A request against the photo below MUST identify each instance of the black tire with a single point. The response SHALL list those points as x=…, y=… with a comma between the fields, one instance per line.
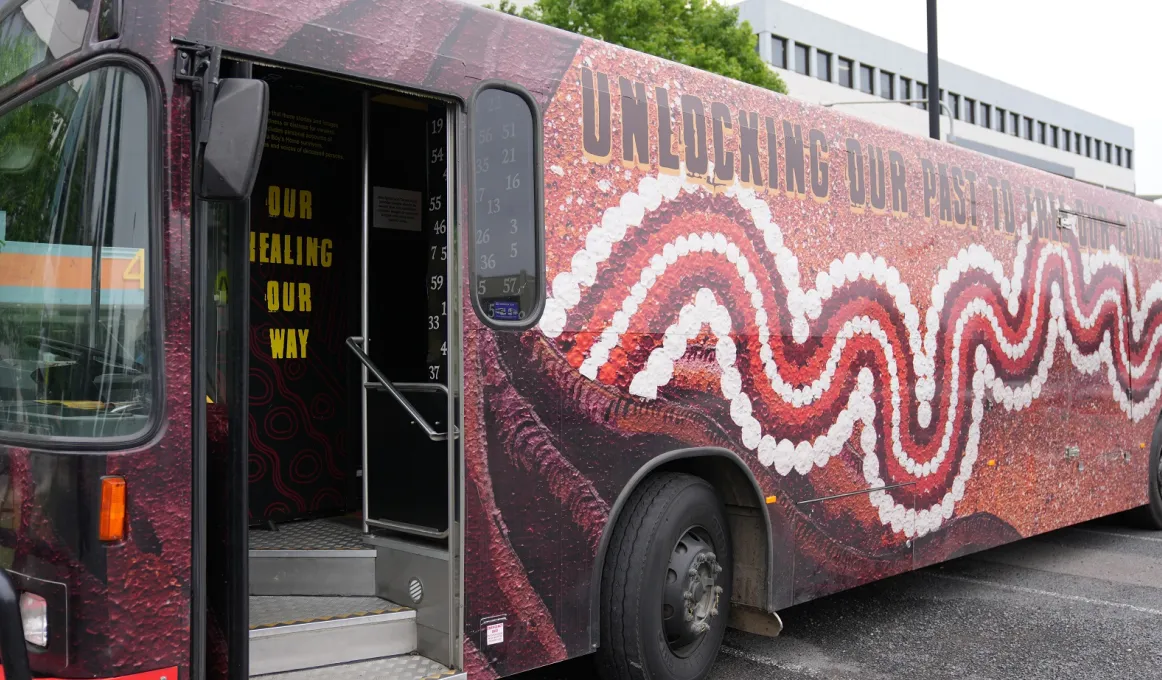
x=669, y=519
x=1150, y=515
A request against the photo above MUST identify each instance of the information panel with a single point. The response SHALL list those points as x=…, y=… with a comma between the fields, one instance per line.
x=505, y=252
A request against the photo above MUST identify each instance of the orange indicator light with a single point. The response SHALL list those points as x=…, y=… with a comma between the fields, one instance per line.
x=112, y=526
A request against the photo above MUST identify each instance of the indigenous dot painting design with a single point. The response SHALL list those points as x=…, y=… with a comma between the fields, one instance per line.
x=1064, y=310
x=904, y=373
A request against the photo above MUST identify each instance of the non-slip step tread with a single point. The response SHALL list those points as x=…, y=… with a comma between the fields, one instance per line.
x=404, y=667
x=332, y=533
x=274, y=611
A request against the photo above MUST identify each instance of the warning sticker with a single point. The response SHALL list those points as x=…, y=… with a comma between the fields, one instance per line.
x=495, y=634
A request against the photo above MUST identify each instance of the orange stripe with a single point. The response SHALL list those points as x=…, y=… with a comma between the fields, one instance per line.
x=60, y=271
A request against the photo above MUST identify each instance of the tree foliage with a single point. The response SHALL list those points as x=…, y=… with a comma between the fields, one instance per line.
x=698, y=33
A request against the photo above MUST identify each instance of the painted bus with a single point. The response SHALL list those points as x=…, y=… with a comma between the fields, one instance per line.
x=414, y=340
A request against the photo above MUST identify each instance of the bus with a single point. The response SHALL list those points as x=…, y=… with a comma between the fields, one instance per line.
x=414, y=340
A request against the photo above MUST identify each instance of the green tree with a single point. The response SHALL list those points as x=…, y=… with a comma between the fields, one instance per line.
x=698, y=33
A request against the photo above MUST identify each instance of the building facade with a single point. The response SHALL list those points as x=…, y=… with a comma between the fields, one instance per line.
x=828, y=62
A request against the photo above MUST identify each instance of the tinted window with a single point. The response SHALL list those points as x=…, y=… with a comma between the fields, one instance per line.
x=887, y=85
x=505, y=216
x=954, y=104
x=905, y=88
x=802, y=61
x=922, y=93
x=986, y=116
x=38, y=32
x=845, y=72
x=865, y=78
x=823, y=65
x=76, y=356
x=779, y=51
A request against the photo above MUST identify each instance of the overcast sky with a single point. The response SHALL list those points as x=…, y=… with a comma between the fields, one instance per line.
x=1104, y=57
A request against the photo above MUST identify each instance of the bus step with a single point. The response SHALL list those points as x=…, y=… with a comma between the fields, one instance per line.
x=405, y=667
x=312, y=557
x=291, y=633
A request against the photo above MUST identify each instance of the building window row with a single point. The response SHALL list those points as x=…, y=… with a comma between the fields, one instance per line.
x=962, y=108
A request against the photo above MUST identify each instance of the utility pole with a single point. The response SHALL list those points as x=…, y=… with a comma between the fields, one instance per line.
x=933, y=75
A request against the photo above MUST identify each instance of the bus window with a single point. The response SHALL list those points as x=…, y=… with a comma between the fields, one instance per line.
x=75, y=348
x=39, y=32
x=507, y=220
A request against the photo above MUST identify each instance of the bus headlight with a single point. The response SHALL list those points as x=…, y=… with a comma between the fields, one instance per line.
x=34, y=613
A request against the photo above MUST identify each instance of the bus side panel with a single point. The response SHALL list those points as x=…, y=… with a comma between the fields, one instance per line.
x=859, y=312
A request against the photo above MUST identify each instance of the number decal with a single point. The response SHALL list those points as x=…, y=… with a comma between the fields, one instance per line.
x=135, y=270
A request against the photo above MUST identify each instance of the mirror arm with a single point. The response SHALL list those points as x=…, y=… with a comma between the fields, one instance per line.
x=199, y=66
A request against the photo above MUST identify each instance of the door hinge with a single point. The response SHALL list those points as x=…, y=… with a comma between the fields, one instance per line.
x=198, y=65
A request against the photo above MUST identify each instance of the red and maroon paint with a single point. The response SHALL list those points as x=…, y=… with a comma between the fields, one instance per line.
x=838, y=341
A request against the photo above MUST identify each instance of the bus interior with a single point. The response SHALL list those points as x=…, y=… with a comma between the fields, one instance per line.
x=337, y=470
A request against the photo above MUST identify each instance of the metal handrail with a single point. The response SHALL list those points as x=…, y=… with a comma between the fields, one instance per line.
x=410, y=387
x=354, y=343
x=406, y=528
x=13, y=653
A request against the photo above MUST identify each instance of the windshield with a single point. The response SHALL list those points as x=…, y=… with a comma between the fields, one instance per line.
x=75, y=354
x=39, y=31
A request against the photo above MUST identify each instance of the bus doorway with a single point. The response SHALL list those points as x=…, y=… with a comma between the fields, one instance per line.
x=350, y=483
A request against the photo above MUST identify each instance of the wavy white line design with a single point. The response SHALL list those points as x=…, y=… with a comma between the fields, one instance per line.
x=805, y=306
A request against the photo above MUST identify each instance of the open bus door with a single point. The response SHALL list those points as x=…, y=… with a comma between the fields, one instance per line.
x=331, y=455
x=226, y=154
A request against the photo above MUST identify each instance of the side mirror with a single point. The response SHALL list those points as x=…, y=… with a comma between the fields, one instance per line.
x=233, y=150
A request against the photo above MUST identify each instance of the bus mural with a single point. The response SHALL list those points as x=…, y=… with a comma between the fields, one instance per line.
x=611, y=352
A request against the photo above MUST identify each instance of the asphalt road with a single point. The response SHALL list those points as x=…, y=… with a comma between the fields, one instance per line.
x=1083, y=602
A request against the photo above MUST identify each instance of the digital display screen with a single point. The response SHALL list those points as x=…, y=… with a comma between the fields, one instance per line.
x=505, y=252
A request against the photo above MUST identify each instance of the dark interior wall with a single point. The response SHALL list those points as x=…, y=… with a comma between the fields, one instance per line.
x=304, y=302
x=397, y=284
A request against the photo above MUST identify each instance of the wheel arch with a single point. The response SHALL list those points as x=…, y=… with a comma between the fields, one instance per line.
x=736, y=484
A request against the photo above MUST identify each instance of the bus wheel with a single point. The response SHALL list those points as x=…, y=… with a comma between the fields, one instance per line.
x=665, y=586
x=1152, y=513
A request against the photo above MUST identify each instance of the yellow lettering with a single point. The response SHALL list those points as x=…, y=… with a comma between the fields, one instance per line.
x=263, y=247
x=304, y=297
x=277, y=342
x=298, y=250
x=286, y=256
x=326, y=252
x=303, y=332
x=252, y=235
x=288, y=204
x=272, y=296
x=288, y=296
x=275, y=248
x=305, y=204
x=272, y=203
x=292, y=345
x=312, y=251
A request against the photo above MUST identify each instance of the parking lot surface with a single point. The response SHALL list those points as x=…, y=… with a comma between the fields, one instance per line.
x=1083, y=602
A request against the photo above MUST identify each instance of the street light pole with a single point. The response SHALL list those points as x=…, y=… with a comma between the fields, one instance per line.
x=933, y=75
